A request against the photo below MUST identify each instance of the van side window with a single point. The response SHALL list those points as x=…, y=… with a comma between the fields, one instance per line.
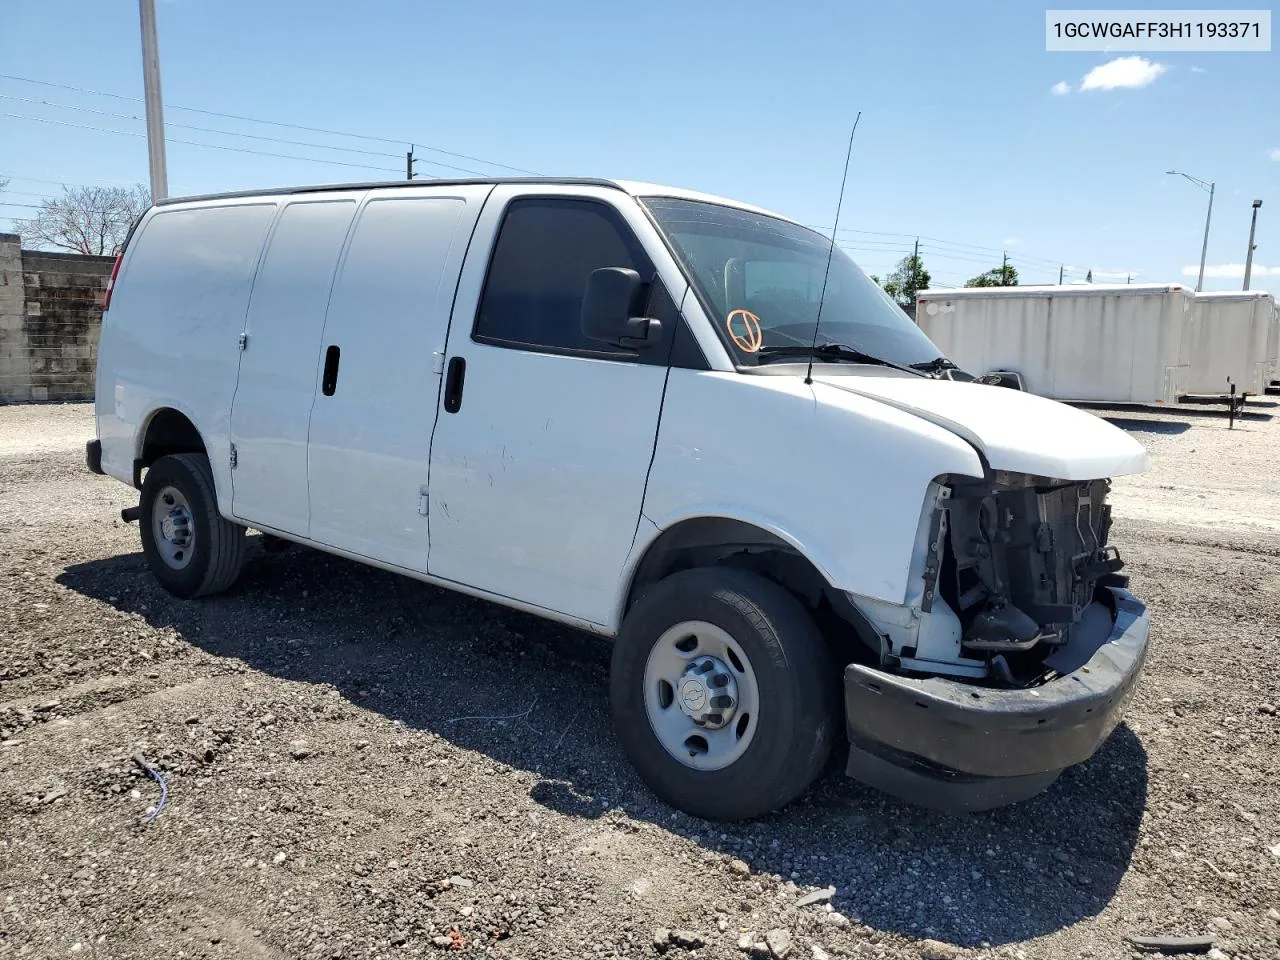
x=546, y=250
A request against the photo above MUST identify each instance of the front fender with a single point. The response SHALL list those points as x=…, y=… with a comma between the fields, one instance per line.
x=842, y=478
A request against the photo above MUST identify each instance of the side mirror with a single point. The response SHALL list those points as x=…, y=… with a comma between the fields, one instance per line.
x=613, y=307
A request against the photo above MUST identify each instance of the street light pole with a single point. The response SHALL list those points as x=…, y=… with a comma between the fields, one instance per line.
x=1204, y=249
x=1248, y=257
x=151, y=91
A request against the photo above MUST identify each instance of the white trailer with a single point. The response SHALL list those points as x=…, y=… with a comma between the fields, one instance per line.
x=1125, y=343
x=1234, y=336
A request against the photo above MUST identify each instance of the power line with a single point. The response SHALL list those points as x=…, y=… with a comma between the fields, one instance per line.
x=194, y=143
x=231, y=133
x=274, y=123
x=959, y=245
x=61, y=183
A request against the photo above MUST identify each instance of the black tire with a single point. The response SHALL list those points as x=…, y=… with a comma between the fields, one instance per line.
x=794, y=671
x=219, y=546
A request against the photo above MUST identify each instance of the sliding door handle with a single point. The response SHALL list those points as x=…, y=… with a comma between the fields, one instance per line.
x=453, y=384
x=329, y=380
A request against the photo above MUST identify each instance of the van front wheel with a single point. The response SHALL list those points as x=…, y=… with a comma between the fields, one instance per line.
x=723, y=693
x=191, y=549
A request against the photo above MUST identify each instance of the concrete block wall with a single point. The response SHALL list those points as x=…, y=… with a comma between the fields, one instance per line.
x=50, y=319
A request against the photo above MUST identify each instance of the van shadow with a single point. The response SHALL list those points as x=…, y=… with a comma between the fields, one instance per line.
x=533, y=695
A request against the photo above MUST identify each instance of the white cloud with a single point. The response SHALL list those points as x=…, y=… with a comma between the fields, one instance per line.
x=1011, y=241
x=1274, y=154
x=1199, y=70
x=1061, y=88
x=1122, y=72
x=1229, y=271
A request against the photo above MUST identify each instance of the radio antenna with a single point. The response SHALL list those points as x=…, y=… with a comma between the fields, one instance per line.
x=813, y=348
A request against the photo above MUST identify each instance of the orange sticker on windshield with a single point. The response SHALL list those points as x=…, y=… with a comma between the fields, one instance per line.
x=750, y=341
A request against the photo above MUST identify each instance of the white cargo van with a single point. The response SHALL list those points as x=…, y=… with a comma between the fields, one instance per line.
x=591, y=400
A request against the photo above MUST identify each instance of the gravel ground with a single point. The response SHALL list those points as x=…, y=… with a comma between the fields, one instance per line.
x=359, y=765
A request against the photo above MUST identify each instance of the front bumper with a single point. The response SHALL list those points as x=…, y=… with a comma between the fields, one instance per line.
x=956, y=746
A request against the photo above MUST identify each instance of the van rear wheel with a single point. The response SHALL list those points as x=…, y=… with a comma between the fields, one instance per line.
x=723, y=693
x=191, y=549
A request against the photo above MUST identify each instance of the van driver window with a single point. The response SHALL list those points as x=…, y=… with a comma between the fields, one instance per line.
x=545, y=252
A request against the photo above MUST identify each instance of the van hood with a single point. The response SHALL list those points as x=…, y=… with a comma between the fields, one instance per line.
x=1016, y=431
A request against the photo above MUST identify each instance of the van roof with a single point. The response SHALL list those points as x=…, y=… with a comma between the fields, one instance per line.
x=635, y=188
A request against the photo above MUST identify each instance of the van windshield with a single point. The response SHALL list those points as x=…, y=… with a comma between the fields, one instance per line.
x=761, y=278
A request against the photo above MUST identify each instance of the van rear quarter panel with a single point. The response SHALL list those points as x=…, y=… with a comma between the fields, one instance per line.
x=171, y=337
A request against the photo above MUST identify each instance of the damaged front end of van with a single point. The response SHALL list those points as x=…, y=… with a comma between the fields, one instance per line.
x=1015, y=655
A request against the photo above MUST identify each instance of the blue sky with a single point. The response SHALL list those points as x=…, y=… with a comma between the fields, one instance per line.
x=963, y=138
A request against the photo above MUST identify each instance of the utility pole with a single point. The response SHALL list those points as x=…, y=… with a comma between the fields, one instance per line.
x=1204, y=249
x=1061, y=267
x=408, y=163
x=155, y=108
x=1248, y=257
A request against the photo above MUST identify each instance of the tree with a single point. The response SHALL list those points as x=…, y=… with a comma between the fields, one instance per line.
x=1005, y=275
x=908, y=278
x=92, y=220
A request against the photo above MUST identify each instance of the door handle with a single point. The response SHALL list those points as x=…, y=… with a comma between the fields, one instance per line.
x=329, y=380
x=453, y=384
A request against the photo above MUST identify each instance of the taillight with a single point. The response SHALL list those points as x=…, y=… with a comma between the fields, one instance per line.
x=111, y=284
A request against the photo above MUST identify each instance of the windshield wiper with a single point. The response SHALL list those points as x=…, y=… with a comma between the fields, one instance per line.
x=832, y=352
x=936, y=365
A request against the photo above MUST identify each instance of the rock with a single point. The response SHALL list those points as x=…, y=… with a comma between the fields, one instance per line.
x=467, y=911
x=819, y=953
x=661, y=939
x=1221, y=923
x=937, y=950
x=1273, y=914
x=299, y=750
x=191, y=720
x=361, y=744
x=1268, y=708
x=818, y=896
x=456, y=881
x=57, y=793
x=686, y=939
x=1216, y=954
x=840, y=920
x=444, y=943
x=779, y=943
x=740, y=868
x=49, y=705
x=722, y=924
x=279, y=858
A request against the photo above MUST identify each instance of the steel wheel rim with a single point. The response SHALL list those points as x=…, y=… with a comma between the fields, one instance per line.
x=676, y=672
x=173, y=528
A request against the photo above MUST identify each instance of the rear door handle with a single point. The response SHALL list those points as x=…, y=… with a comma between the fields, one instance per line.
x=453, y=384
x=329, y=381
